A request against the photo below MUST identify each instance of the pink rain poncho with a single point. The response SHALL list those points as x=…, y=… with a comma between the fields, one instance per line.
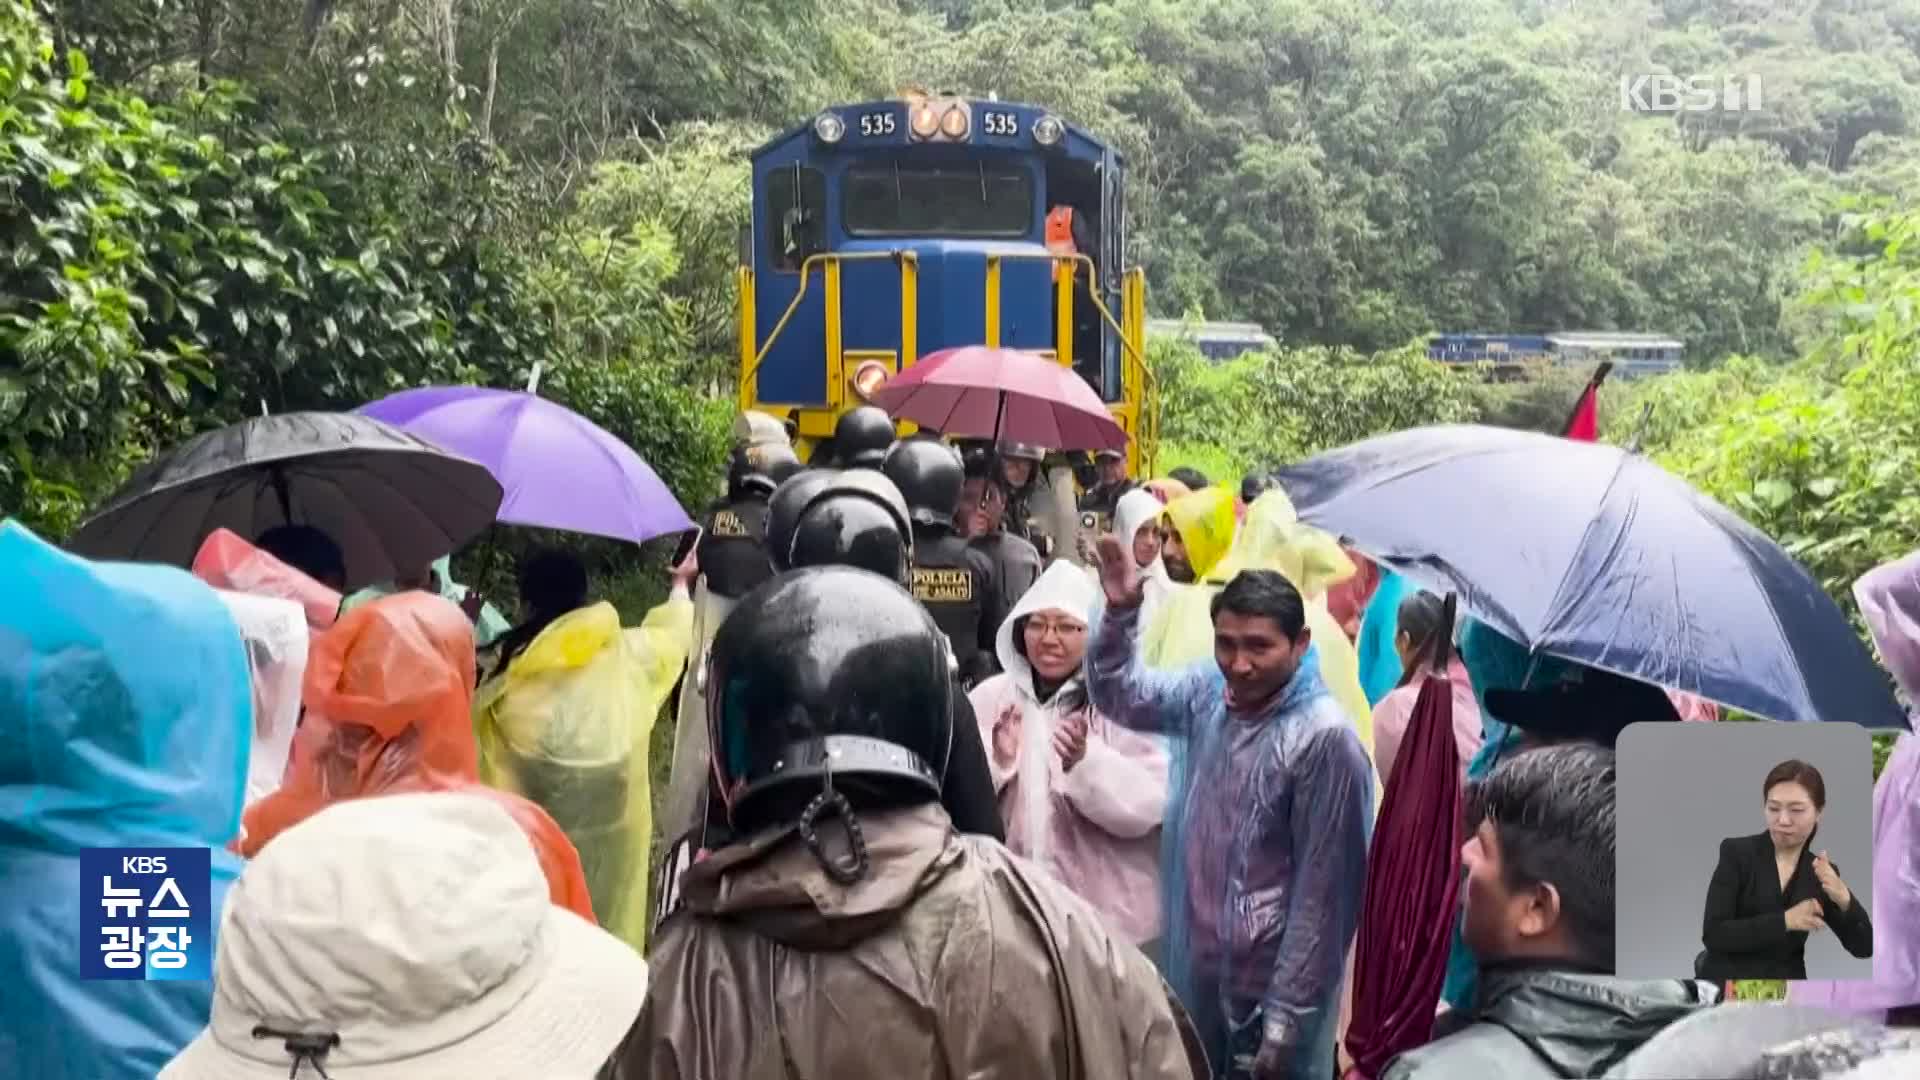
x=1265, y=851
x=1096, y=827
x=1889, y=598
x=1391, y=716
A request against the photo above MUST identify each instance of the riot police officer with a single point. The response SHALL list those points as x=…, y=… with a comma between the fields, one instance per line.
x=830, y=711
x=1021, y=468
x=733, y=560
x=858, y=518
x=1110, y=482
x=733, y=542
x=862, y=437
x=954, y=579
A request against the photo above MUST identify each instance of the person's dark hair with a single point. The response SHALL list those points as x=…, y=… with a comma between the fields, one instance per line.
x=552, y=583
x=306, y=549
x=1263, y=593
x=1428, y=623
x=1795, y=771
x=1190, y=476
x=1553, y=812
x=979, y=466
x=1257, y=483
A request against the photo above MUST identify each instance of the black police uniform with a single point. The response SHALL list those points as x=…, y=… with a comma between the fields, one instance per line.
x=955, y=581
x=733, y=546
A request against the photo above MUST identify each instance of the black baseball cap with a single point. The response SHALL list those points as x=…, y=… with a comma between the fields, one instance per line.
x=1586, y=703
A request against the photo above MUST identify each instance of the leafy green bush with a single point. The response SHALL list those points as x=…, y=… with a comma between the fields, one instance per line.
x=172, y=268
x=1269, y=408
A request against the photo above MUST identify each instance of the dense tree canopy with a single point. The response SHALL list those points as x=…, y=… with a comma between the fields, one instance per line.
x=214, y=206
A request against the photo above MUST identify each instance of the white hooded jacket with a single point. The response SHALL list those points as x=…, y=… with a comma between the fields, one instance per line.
x=1096, y=827
x=1134, y=511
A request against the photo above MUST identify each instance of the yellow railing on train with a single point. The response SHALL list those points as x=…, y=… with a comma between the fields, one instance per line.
x=1140, y=390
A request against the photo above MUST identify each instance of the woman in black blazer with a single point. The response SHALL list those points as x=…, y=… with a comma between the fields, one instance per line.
x=1773, y=889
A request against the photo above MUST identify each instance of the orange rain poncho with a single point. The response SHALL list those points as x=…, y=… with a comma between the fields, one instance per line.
x=389, y=693
x=225, y=561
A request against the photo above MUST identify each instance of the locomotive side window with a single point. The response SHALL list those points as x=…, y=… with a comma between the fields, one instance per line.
x=796, y=216
x=978, y=201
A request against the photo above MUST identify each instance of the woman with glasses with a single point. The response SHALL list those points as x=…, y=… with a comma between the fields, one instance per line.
x=1081, y=797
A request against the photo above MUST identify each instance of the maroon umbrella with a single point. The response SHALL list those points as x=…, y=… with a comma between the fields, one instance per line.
x=1413, y=890
x=977, y=392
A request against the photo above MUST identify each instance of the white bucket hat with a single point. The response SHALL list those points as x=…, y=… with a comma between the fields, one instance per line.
x=415, y=930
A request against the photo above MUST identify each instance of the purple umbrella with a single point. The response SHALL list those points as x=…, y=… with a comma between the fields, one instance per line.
x=560, y=470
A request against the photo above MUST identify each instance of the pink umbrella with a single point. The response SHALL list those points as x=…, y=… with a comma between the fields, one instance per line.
x=977, y=392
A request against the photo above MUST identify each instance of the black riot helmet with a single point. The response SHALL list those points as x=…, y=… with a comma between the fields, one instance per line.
x=929, y=475
x=828, y=692
x=850, y=517
x=759, y=469
x=862, y=437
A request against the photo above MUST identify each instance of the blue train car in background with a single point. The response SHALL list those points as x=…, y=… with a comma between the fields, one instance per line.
x=1512, y=355
x=887, y=230
x=1215, y=340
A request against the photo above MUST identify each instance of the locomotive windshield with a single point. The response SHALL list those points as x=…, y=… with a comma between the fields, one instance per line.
x=964, y=201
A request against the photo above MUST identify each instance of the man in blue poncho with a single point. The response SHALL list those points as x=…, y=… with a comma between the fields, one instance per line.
x=125, y=721
x=1267, y=825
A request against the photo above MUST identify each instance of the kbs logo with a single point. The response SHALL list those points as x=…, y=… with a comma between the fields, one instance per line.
x=1693, y=93
x=144, y=913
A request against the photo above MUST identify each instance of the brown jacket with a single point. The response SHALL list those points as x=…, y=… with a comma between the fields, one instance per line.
x=949, y=959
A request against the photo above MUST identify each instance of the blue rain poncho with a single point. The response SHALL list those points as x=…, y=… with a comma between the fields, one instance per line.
x=124, y=721
x=1265, y=846
x=1380, y=667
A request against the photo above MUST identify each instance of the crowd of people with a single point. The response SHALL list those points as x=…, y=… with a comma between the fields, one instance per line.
x=971, y=776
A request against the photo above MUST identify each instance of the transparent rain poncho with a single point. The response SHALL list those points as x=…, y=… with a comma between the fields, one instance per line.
x=388, y=695
x=683, y=807
x=225, y=561
x=1889, y=598
x=567, y=726
x=275, y=634
x=1271, y=538
x=1265, y=845
x=124, y=721
x=1096, y=826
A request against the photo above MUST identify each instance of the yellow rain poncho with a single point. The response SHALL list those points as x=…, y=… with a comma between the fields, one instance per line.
x=567, y=724
x=1271, y=538
x=1206, y=521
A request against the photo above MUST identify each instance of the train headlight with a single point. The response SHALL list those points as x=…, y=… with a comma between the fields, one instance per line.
x=868, y=377
x=1048, y=130
x=954, y=124
x=829, y=127
x=925, y=121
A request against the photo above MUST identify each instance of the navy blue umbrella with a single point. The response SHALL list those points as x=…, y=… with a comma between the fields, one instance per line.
x=1594, y=554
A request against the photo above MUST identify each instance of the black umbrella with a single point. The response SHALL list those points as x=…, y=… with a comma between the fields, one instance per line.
x=1594, y=554
x=392, y=501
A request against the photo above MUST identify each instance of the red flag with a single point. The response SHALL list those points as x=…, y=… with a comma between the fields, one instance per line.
x=1584, y=424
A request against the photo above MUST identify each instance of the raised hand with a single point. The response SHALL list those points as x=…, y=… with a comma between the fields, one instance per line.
x=1006, y=737
x=1070, y=740
x=1806, y=916
x=1119, y=574
x=1830, y=881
